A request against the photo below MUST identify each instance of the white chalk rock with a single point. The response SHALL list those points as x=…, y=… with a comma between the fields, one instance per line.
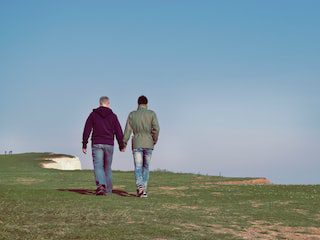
x=63, y=163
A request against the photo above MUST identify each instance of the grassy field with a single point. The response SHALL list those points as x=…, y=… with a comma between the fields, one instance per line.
x=37, y=203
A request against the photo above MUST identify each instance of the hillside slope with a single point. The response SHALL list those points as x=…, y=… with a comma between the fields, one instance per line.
x=38, y=203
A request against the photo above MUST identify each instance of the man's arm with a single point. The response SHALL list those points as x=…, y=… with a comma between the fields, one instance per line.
x=118, y=132
x=155, y=128
x=127, y=131
x=86, y=132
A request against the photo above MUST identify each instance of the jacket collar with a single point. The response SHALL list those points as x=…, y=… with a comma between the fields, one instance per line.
x=142, y=106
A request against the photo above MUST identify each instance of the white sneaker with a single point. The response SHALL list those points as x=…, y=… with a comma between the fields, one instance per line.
x=144, y=194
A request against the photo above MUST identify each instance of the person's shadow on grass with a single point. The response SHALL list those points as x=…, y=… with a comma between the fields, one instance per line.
x=82, y=191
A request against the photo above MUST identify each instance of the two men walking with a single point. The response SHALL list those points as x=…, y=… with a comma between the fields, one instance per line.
x=104, y=125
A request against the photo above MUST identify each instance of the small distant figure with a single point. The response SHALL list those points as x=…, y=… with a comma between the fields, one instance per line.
x=10, y=152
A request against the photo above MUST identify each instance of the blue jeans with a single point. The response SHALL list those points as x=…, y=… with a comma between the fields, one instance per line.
x=102, y=159
x=142, y=158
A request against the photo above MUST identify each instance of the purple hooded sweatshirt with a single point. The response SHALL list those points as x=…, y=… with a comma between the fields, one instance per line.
x=105, y=125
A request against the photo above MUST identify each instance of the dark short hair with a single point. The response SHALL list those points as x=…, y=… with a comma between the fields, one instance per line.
x=142, y=100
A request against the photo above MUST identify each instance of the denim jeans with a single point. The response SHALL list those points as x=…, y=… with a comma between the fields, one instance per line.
x=102, y=159
x=142, y=158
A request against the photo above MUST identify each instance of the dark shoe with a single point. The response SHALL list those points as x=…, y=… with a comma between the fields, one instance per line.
x=101, y=190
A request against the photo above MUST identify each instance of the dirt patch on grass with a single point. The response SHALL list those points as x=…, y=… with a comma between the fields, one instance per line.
x=28, y=181
x=207, y=185
x=216, y=193
x=258, y=181
x=301, y=211
x=210, y=213
x=263, y=230
x=204, y=185
x=218, y=229
x=173, y=191
x=173, y=188
x=213, y=228
x=179, y=206
x=282, y=203
x=175, y=194
x=259, y=230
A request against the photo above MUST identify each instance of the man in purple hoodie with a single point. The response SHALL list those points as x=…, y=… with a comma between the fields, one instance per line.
x=104, y=125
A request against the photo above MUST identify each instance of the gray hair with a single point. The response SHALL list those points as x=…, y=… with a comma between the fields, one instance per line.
x=104, y=100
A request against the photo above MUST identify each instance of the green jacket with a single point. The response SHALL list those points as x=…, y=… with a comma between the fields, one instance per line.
x=144, y=125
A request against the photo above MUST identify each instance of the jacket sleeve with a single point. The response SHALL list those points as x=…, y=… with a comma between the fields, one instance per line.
x=118, y=132
x=127, y=131
x=87, y=131
x=155, y=128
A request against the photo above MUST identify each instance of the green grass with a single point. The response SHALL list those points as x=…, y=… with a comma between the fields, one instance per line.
x=37, y=203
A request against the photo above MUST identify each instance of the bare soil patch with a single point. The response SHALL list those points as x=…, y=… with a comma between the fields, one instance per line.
x=260, y=230
x=174, y=191
x=179, y=206
x=28, y=181
x=173, y=188
x=263, y=230
x=258, y=181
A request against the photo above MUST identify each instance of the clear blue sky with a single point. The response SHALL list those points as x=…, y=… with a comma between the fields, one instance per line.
x=235, y=84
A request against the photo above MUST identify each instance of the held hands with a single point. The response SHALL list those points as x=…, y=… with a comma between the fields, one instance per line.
x=84, y=150
x=124, y=145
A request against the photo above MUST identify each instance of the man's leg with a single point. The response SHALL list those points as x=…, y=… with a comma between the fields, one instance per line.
x=138, y=162
x=108, y=155
x=97, y=155
x=147, y=154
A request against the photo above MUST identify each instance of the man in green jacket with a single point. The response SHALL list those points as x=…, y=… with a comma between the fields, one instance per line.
x=144, y=125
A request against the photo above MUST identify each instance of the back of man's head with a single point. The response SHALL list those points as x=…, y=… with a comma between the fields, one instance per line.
x=142, y=100
x=104, y=101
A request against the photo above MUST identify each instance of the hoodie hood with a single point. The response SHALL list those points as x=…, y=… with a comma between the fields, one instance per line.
x=103, y=111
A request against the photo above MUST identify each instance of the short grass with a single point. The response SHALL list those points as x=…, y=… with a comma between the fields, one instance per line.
x=37, y=203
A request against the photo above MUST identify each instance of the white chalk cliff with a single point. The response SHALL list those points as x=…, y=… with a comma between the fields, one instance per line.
x=63, y=163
